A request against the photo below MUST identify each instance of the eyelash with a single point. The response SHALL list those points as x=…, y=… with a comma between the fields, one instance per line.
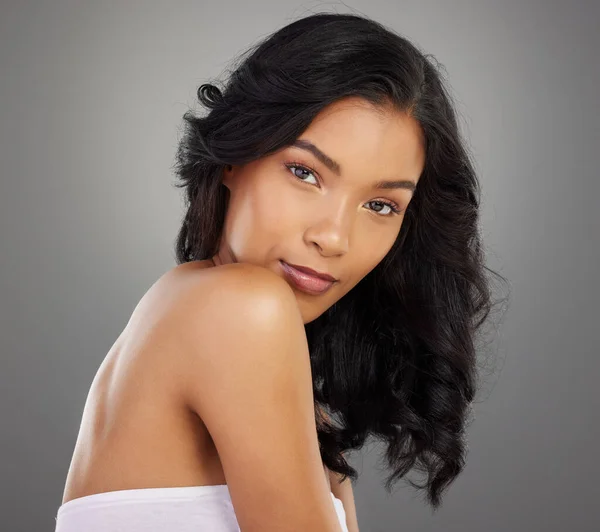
x=393, y=206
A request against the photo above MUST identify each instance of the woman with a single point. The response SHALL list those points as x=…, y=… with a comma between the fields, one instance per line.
x=329, y=285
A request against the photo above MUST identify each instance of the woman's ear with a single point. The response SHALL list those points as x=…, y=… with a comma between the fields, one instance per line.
x=227, y=174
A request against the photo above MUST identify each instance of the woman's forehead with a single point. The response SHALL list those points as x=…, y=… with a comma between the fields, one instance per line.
x=355, y=135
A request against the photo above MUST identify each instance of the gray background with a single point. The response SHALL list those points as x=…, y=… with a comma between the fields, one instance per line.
x=91, y=98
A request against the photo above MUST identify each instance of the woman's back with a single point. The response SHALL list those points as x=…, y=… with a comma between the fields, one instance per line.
x=138, y=430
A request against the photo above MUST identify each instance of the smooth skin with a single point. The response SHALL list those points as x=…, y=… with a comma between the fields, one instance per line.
x=328, y=222
x=209, y=383
x=261, y=416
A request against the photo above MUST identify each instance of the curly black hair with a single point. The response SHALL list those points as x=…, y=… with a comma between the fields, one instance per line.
x=395, y=358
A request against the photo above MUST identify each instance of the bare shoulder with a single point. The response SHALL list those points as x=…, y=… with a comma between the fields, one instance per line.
x=238, y=315
x=240, y=337
x=192, y=291
x=192, y=304
x=242, y=280
x=232, y=309
x=213, y=300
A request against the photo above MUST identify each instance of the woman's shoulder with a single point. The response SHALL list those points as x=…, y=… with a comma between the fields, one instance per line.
x=204, y=276
x=227, y=323
x=207, y=288
x=196, y=317
x=245, y=372
x=198, y=287
x=230, y=293
x=192, y=302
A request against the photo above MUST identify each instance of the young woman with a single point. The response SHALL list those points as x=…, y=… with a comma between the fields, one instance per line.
x=329, y=285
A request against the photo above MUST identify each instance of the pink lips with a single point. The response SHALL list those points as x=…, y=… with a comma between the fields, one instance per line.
x=305, y=282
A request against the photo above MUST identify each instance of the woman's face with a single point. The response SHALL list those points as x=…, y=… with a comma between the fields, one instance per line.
x=325, y=213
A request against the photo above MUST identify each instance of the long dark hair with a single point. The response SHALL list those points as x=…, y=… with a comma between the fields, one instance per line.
x=394, y=358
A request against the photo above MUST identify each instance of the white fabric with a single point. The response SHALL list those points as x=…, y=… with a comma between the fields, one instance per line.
x=178, y=509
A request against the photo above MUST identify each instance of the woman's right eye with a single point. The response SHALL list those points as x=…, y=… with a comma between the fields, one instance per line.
x=294, y=167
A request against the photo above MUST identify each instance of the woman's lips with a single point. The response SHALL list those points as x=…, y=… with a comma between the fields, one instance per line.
x=305, y=282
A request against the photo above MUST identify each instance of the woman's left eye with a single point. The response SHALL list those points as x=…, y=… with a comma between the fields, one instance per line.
x=393, y=208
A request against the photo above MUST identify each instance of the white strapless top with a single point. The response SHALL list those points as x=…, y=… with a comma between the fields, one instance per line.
x=181, y=509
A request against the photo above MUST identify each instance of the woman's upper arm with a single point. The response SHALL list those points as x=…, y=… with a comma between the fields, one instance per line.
x=342, y=490
x=248, y=377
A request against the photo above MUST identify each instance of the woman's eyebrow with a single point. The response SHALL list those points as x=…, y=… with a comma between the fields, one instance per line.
x=336, y=168
x=403, y=183
x=325, y=159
